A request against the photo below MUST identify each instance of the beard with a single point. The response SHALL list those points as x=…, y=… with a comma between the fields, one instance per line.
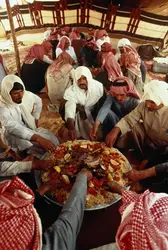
x=83, y=86
x=19, y=101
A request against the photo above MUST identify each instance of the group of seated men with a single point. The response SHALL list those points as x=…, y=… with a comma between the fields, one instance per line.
x=129, y=118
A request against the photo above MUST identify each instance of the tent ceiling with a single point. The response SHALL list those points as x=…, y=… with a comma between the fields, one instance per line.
x=159, y=7
x=148, y=23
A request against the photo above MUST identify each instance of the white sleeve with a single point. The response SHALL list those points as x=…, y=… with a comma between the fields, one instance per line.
x=37, y=107
x=13, y=126
x=13, y=168
x=4, y=64
x=58, y=52
x=73, y=54
x=46, y=35
x=70, y=110
x=117, y=56
x=47, y=59
x=99, y=43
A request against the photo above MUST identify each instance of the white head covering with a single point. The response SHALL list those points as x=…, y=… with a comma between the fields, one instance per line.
x=6, y=87
x=62, y=38
x=156, y=91
x=122, y=42
x=78, y=95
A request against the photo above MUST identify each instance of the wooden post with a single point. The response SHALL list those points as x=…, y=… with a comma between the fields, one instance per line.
x=17, y=57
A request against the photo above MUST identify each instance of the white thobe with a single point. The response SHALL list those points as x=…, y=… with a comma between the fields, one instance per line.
x=99, y=42
x=2, y=73
x=8, y=168
x=15, y=132
x=70, y=51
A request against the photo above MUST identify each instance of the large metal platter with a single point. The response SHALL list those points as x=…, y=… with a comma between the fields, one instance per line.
x=52, y=201
x=100, y=206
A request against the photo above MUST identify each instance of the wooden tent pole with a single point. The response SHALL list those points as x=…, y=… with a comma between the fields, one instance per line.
x=17, y=57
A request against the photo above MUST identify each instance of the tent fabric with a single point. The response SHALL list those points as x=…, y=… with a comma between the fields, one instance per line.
x=95, y=13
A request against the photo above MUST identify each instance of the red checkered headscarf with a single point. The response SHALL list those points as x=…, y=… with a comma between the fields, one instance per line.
x=47, y=48
x=37, y=51
x=144, y=221
x=20, y=226
x=62, y=42
x=75, y=34
x=110, y=64
x=131, y=60
x=124, y=85
x=99, y=34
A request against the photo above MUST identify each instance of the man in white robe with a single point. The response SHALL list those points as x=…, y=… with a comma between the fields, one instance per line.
x=81, y=99
x=19, y=121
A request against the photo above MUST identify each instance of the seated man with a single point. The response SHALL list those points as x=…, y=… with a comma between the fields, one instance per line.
x=20, y=225
x=19, y=123
x=89, y=52
x=147, y=124
x=101, y=37
x=81, y=99
x=120, y=50
x=35, y=65
x=123, y=98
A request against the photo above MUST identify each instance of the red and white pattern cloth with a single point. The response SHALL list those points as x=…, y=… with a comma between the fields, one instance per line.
x=110, y=64
x=129, y=90
x=131, y=60
x=20, y=226
x=144, y=221
x=75, y=34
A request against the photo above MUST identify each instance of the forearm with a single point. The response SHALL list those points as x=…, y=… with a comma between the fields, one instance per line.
x=158, y=170
x=70, y=124
x=14, y=168
x=150, y=172
x=96, y=125
x=116, y=131
x=103, y=112
x=36, y=138
x=47, y=59
x=62, y=234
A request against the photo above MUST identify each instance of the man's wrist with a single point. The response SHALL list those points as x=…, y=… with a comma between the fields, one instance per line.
x=116, y=130
x=148, y=172
x=96, y=125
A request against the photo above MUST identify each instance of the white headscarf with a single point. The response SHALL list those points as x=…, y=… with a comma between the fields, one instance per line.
x=61, y=40
x=156, y=91
x=6, y=87
x=121, y=43
x=78, y=95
